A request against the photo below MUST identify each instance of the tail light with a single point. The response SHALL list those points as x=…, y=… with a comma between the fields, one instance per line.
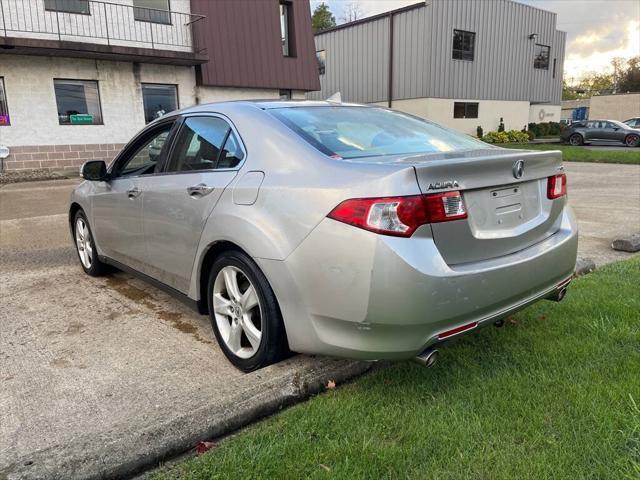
x=400, y=216
x=557, y=186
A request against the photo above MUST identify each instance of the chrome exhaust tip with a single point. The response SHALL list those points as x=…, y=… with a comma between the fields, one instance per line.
x=428, y=358
x=558, y=295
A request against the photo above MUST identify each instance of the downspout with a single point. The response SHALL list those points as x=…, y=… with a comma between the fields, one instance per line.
x=390, y=69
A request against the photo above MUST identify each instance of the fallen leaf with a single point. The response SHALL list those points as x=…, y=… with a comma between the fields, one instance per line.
x=202, y=447
x=325, y=467
x=331, y=385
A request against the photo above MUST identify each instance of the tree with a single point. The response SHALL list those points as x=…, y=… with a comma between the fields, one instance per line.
x=630, y=78
x=569, y=93
x=322, y=18
x=352, y=12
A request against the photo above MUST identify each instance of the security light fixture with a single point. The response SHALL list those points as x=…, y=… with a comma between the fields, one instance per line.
x=533, y=36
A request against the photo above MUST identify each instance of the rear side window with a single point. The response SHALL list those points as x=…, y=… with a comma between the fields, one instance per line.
x=205, y=143
x=352, y=132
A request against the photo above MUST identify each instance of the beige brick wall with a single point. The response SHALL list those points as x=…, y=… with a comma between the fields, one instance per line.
x=59, y=157
x=615, y=107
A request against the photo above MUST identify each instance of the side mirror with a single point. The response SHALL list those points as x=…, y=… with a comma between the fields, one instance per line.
x=94, y=171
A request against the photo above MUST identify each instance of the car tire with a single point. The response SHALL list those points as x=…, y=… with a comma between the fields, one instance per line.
x=86, y=247
x=632, y=140
x=576, y=139
x=247, y=324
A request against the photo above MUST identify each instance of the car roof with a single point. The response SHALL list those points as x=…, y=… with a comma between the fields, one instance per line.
x=267, y=104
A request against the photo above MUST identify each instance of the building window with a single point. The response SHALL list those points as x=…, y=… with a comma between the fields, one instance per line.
x=465, y=110
x=554, y=67
x=4, y=109
x=463, y=45
x=321, y=56
x=68, y=6
x=154, y=11
x=286, y=29
x=541, y=59
x=285, y=94
x=158, y=100
x=78, y=102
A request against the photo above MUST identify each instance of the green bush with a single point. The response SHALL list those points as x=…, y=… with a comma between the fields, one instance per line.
x=479, y=131
x=545, y=128
x=512, y=136
x=531, y=135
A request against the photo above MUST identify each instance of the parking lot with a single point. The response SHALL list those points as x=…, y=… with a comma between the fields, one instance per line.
x=102, y=377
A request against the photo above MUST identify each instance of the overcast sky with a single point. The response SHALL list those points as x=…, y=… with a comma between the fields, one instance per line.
x=597, y=30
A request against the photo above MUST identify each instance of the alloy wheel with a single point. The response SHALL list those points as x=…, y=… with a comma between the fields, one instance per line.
x=632, y=140
x=83, y=243
x=575, y=139
x=237, y=312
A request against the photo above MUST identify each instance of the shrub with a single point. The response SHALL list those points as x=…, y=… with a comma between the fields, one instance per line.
x=479, y=132
x=531, y=135
x=512, y=136
x=554, y=128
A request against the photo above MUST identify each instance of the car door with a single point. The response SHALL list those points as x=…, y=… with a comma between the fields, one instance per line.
x=117, y=203
x=613, y=132
x=205, y=157
x=593, y=131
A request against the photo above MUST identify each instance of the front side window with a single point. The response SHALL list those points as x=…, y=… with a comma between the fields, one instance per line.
x=68, y=6
x=78, y=102
x=154, y=11
x=541, y=59
x=4, y=108
x=146, y=158
x=463, y=45
x=158, y=100
x=465, y=110
x=321, y=57
x=285, y=94
x=205, y=143
x=285, y=28
x=352, y=132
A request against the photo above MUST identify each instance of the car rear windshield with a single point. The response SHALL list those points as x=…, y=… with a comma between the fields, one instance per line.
x=352, y=132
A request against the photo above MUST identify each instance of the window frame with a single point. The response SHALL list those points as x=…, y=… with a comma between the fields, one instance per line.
x=97, y=82
x=288, y=47
x=6, y=102
x=466, y=104
x=322, y=67
x=473, y=46
x=548, y=47
x=179, y=126
x=138, y=141
x=177, y=87
x=67, y=11
x=169, y=22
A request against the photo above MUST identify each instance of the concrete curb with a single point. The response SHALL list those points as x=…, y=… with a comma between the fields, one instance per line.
x=584, y=266
x=125, y=452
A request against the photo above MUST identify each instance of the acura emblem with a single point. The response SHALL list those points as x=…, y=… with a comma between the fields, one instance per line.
x=518, y=169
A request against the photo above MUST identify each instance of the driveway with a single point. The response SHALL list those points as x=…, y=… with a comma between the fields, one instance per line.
x=103, y=377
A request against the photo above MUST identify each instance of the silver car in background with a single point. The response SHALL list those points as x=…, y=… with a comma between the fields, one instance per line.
x=323, y=228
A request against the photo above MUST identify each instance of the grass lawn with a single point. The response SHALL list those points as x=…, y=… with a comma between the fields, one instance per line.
x=585, y=154
x=554, y=394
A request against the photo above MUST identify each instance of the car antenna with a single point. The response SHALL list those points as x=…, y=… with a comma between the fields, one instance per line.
x=335, y=98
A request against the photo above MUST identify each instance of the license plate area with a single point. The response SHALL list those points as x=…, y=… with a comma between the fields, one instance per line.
x=504, y=211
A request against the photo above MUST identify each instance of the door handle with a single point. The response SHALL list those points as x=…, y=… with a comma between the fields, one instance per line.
x=134, y=193
x=199, y=190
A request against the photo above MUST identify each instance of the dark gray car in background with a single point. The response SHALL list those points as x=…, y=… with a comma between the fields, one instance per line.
x=601, y=131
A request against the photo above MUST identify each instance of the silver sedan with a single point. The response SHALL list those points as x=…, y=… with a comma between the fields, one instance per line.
x=325, y=228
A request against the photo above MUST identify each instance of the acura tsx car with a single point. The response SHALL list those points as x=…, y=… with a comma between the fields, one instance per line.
x=328, y=228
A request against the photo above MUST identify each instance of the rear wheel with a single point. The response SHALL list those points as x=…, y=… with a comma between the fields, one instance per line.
x=86, y=248
x=576, y=139
x=244, y=313
x=632, y=140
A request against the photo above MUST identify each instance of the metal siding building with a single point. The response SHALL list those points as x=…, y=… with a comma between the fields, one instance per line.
x=423, y=70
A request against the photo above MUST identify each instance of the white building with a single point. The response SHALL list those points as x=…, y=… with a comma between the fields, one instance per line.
x=78, y=78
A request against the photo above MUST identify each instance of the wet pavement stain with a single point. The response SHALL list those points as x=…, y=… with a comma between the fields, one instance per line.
x=140, y=296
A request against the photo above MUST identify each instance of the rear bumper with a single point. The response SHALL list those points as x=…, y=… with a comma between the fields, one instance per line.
x=348, y=292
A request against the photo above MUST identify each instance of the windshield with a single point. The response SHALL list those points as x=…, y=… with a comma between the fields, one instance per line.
x=351, y=132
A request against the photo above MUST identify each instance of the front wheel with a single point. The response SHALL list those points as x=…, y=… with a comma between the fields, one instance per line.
x=576, y=139
x=244, y=313
x=632, y=140
x=86, y=247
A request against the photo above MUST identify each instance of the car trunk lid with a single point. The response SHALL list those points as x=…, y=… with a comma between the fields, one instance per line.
x=505, y=194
